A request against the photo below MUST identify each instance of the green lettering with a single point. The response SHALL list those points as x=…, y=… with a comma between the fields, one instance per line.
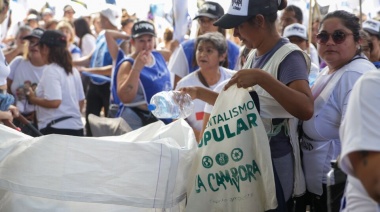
x=252, y=118
x=225, y=117
x=241, y=126
x=220, y=118
x=199, y=184
x=206, y=138
x=209, y=182
x=243, y=173
x=255, y=167
x=250, y=172
x=236, y=112
x=235, y=178
x=250, y=105
x=213, y=118
x=221, y=134
x=223, y=177
x=228, y=132
x=242, y=108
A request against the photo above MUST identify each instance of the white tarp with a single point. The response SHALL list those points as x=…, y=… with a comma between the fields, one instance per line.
x=143, y=170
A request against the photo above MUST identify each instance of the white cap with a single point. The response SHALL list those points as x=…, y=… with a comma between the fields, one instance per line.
x=32, y=17
x=47, y=11
x=113, y=14
x=372, y=26
x=297, y=30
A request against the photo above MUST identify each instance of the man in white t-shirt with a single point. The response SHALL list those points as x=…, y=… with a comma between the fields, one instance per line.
x=360, y=157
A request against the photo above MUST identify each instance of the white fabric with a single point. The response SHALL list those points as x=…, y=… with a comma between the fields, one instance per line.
x=208, y=108
x=55, y=84
x=4, y=69
x=88, y=44
x=357, y=199
x=22, y=71
x=232, y=170
x=144, y=170
x=75, y=55
x=178, y=63
x=314, y=54
x=360, y=131
x=196, y=118
x=321, y=143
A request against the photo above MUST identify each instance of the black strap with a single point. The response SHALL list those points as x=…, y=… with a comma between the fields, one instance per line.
x=58, y=120
x=202, y=79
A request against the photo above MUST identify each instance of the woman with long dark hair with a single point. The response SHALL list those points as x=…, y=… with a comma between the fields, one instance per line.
x=87, y=40
x=59, y=95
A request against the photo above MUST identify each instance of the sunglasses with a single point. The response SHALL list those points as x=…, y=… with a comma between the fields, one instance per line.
x=338, y=37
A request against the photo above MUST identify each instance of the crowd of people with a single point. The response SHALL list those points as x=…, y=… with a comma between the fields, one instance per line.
x=313, y=99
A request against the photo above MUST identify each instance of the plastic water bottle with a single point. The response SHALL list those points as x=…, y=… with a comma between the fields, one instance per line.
x=171, y=105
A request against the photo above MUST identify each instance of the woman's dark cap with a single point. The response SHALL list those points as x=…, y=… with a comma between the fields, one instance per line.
x=53, y=38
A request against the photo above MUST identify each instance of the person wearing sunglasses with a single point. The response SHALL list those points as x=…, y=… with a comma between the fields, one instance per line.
x=339, y=46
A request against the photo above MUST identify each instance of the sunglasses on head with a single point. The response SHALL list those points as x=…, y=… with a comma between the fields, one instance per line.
x=337, y=36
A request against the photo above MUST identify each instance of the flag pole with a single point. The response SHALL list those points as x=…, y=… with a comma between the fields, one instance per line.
x=310, y=24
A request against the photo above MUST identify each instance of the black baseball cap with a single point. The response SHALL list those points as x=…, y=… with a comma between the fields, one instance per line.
x=211, y=10
x=143, y=28
x=241, y=10
x=36, y=33
x=53, y=38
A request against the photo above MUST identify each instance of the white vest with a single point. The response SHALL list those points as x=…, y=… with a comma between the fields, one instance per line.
x=270, y=108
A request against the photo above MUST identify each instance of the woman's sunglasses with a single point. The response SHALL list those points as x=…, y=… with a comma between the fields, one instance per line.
x=338, y=37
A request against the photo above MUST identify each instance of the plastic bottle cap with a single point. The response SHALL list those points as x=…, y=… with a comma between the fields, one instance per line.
x=151, y=107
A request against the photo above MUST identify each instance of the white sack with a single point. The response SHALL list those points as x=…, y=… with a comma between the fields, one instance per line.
x=143, y=170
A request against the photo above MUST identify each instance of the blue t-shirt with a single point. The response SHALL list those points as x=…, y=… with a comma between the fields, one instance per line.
x=101, y=57
x=292, y=68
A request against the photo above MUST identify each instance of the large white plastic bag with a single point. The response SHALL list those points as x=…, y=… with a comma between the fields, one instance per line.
x=143, y=170
x=233, y=172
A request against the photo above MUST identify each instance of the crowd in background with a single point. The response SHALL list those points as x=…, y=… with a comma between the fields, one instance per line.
x=111, y=63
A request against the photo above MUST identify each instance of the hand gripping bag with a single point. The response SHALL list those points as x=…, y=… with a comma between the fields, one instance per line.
x=232, y=170
x=144, y=170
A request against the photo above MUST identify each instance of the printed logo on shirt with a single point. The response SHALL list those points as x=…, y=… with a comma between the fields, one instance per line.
x=199, y=115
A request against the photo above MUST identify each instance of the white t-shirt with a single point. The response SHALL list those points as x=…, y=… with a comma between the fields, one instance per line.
x=4, y=69
x=75, y=51
x=88, y=44
x=23, y=73
x=55, y=84
x=314, y=54
x=360, y=131
x=178, y=64
x=327, y=123
x=208, y=108
x=195, y=120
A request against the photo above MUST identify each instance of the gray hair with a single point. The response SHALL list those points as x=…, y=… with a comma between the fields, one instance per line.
x=216, y=38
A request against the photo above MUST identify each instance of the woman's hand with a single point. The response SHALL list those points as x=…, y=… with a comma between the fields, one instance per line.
x=14, y=110
x=192, y=91
x=246, y=78
x=141, y=60
x=6, y=115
